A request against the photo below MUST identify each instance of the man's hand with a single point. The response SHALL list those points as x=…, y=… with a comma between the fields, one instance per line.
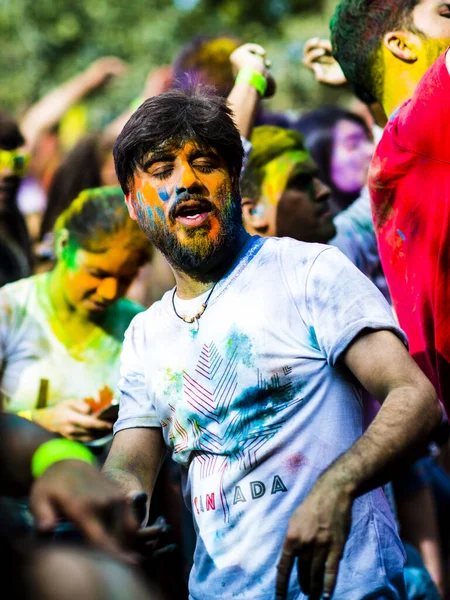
x=72, y=419
x=316, y=536
x=253, y=56
x=104, y=69
x=78, y=492
x=318, y=58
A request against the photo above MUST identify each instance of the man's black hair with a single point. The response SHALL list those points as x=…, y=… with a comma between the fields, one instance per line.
x=10, y=135
x=357, y=31
x=269, y=142
x=176, y=117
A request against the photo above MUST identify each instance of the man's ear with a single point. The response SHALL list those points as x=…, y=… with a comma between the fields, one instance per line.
x=61, y=242
x=254, y=215
x=129, y=203
x=403, y=45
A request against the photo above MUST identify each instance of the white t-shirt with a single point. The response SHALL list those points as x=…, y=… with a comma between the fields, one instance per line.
x=30, y=351
x=253, y=404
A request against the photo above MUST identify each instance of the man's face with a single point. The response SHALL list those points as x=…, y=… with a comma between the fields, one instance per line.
x=432, y=17
x=293, y=201
x=351, y=156
x=92, y=281
x=183, y=200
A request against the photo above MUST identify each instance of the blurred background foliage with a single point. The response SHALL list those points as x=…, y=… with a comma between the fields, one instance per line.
x=45, y=42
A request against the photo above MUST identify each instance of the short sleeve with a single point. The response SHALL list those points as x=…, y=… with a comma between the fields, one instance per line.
x=422, y=125
x=136, y=408
x=341, y=302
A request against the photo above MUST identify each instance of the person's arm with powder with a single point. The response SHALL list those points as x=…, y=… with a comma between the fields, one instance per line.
x=244, y=99
x=49, y=110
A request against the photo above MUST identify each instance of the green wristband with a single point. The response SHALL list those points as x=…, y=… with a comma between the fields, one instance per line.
x=253, y=78
x=56, y=450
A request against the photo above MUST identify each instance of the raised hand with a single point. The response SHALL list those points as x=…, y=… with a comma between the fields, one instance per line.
x=254, y=56
x=104, y=69
x=318, y=58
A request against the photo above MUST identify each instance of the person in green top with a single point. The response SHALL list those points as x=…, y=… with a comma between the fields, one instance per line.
x=61, y=332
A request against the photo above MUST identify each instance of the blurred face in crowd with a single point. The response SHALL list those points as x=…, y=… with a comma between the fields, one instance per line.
x=92, y=281
x=184, y=201
x=350, y=158
x=293, y=202
x=13, y=166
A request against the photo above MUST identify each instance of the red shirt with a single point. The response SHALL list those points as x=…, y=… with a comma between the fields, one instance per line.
x=410, y=189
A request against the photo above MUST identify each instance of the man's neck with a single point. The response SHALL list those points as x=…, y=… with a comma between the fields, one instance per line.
x=193, y=285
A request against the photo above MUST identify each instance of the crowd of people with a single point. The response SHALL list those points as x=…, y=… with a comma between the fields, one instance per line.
x=225, y=367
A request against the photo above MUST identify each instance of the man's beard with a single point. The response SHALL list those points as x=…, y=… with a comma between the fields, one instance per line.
x=434, y=49
x=199, y=253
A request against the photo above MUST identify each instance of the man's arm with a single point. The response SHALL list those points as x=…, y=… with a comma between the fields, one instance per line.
x=134, y=460
x=19, y=440
x=68, y=488
x=48, y=111
x=319, y=528
x=244, y=99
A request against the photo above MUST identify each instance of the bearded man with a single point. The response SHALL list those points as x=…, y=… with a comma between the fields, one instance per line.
x=250, y=372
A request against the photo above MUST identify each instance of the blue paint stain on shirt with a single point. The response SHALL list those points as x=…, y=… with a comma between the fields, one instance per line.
x=401, y=234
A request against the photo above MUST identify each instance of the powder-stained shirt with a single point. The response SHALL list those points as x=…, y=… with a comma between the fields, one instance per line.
x=30, y=352
x=410, y=190
x=254, y=405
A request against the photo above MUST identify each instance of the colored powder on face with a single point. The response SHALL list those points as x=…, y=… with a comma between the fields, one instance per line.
x=70, y=256
x=163, y=194
x=278, y=171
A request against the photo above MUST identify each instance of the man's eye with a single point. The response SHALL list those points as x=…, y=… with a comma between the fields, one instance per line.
x=299, y=182
x=205, y=168
x=163, y=174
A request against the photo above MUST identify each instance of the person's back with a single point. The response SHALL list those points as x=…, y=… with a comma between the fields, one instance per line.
x=385, y=50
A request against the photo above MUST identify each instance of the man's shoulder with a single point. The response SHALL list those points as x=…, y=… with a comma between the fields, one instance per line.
x=18, y=292
x=290, y=251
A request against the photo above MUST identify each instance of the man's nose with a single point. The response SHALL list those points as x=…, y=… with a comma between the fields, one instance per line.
x=108, y=289
x=189, y=182
x=321, y=190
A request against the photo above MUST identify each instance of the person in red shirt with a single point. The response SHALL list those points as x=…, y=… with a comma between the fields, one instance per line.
x=394, y=53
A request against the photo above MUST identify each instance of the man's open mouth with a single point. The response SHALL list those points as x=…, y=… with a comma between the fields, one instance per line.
x=193, y=212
